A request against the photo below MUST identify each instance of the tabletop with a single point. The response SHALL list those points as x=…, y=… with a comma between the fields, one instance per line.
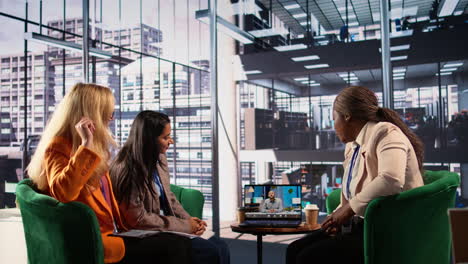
x=301, y=229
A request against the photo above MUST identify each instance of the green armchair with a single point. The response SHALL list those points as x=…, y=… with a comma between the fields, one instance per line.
x=59, y=233
x=410, y=227
x=192, y=200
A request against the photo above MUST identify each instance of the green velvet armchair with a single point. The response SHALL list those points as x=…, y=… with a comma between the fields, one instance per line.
x=411, y=227
x=67, y=233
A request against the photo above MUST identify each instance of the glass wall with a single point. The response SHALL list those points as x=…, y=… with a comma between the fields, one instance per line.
x=154, y=55
x=296, y=73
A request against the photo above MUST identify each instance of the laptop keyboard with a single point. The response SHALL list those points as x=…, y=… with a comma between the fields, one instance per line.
x=271, y=223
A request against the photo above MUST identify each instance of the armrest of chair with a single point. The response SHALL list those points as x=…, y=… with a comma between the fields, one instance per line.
x=412, y=225
x=192, y=200
x=58, y=232
x=333, y=200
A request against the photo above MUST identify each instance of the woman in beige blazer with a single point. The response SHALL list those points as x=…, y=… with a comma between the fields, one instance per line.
x=382, y=157
x=140, y=178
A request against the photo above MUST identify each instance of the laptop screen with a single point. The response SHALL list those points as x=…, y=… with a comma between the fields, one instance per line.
x=273, y=199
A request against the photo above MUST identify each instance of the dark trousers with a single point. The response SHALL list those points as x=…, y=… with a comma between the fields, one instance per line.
x=210, y=251
x=161, y=248
x=170, y=248
x=319, y=248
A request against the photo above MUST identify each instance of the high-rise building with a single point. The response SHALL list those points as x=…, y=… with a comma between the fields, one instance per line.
x=40, y=95
x=106, y=69
x=131, y=38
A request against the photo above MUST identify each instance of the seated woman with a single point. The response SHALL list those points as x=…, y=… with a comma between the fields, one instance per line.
x=140, y=177
x=382, y=157
x=71, y=164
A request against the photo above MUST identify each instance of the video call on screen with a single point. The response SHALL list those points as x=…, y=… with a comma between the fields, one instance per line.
x=272, y=198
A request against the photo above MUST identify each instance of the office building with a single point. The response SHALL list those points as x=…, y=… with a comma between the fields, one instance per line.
x=40, y=96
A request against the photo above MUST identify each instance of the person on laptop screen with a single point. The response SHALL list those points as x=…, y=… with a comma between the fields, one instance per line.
x=272, y=204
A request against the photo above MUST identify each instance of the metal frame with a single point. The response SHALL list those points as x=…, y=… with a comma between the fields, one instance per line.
x=387, y=82
x=214, y=113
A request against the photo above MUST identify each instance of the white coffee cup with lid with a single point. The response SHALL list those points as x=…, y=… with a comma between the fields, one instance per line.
x=311, y=213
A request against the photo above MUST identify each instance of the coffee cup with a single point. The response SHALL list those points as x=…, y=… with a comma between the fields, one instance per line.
x=240, y=215
x=311, y=214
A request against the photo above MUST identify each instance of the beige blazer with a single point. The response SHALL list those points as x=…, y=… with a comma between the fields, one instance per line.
x=387, y=165
x=143, y=210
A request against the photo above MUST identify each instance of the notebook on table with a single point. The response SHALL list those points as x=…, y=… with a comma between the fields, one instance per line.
x=272, y=206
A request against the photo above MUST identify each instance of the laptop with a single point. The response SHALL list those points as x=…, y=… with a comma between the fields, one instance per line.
x=459, y=229
x=272, y=205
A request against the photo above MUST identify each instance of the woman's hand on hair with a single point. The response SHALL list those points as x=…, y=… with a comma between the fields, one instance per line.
x=85, y=128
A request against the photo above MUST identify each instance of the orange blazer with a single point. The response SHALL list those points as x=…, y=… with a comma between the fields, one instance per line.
x=67, y=174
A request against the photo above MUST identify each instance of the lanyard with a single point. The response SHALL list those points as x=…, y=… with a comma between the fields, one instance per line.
x=350, y=172
x=162, y=196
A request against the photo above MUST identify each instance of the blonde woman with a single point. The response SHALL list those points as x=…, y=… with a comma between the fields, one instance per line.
x=71, y=164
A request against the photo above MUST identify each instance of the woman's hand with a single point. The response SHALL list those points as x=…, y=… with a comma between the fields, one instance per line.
x=85, y=129
x=193, y=225
x=333, y=222
x=201, y=226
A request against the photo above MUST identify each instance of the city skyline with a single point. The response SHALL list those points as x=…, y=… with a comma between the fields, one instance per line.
x=180, y=31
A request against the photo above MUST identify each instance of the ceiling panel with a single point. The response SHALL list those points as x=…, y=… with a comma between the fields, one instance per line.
x=326, y=11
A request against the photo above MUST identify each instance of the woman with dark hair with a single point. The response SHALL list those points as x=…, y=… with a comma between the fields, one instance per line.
x=140, y=179
x=382, y=157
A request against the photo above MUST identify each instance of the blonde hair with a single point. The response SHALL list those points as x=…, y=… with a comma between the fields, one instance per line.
x=83, y=100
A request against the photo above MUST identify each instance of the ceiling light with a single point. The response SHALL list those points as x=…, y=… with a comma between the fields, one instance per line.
x=457, y=13
x=292, y=6
x=226, y=27
x=290, y=47
x=403, y=33
x=352, y=24
x=448, y=6
x=399, y=78
x=346, y=75
x=299, y=15
x=316, y=66
x=253, y=72
x=397, y=58
x=301, y=79
x=352, y=78
x=399, y=74
x=448, y=69
x=306, y=58
x=444, y=73
x=311, y=84
x=303, y=23
x=399, y=70
x=307, y=82
x=400, y=47
x=453, y=64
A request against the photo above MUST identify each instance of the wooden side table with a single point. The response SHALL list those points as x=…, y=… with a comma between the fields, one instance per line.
x=262, y=231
